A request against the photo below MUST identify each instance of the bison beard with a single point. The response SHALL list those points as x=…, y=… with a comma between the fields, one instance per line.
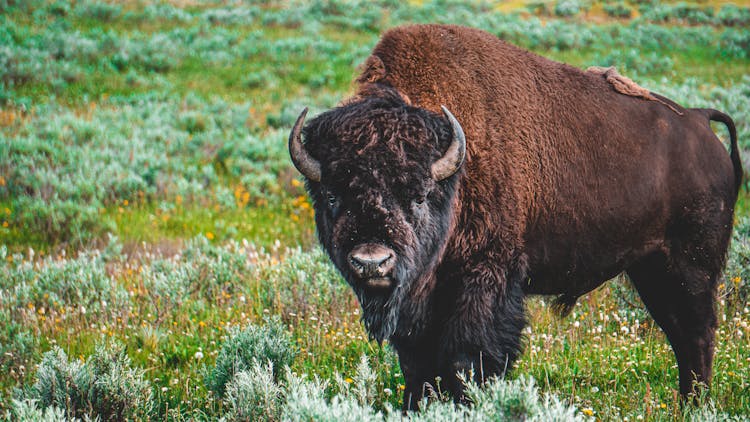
x=380, y=310
x=548, y=180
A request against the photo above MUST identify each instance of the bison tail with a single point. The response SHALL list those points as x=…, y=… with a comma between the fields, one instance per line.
x=734, y=152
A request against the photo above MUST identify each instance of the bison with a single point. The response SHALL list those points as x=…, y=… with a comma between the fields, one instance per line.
x=549, y=180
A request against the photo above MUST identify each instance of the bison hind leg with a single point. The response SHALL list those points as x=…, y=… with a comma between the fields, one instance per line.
x=563, y=305
x=681, y=299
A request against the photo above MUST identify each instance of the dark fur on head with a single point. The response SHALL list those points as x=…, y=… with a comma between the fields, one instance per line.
x=376, y=187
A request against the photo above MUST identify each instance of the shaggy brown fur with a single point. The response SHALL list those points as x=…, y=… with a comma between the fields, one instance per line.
x=566, y=183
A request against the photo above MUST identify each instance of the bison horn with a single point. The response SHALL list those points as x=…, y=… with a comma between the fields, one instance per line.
x=449, y=163
x=306, y=164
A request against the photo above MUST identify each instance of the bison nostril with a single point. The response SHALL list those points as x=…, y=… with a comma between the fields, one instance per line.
x=367, y=261
x=356, y=263
x=371, y=261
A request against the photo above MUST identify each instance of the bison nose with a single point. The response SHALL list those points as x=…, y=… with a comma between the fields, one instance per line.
x=371, y=260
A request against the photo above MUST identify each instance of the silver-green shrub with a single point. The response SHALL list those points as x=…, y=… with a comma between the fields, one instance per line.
x=634, y=63
x=362, y=386
x=28, y=411
x=735, y=42
x=105, y=386
x=18, y=341
x=232, y=15
x=567, y=7
x=244, y=348
x=62, y=168
x=496, y=400
x=518, y=399
x=97, y=10
x=708, y=413
x=307, y=401
x=306, y=280
x=737, y=273
x=200, y=271
x=55, y=282
x=119, y=391
x=617, y=10
x=733, y=15
x=61, y=383
x=253, y=395
x=161, y=11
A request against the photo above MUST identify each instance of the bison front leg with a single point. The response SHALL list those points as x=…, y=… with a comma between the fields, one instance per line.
x=418, y=365
x=483, y=335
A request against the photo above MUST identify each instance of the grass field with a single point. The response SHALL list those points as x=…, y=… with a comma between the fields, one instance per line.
x=158, y=249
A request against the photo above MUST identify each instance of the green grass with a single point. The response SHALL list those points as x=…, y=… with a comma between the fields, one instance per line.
x=626, y=367
x=265, y=226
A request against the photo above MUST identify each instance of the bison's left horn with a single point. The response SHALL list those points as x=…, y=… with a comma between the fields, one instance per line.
x=306, y=164
x=449, y=163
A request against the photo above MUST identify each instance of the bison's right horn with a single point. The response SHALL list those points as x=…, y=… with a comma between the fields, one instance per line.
x=449, y=163
x=306, y=164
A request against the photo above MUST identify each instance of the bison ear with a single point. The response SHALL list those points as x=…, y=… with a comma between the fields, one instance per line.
x=305, y=163
x=451, y=161
x=373, y=70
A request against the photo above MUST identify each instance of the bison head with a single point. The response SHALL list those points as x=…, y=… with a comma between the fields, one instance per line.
x=382, y=176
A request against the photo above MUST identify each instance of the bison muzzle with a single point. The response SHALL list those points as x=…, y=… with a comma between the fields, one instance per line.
x=548, y=180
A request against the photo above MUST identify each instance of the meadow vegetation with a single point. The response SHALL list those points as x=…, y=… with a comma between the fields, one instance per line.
x=157, y=249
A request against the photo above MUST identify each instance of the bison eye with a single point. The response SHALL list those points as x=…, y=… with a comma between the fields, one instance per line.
x=420, y=200
x=332, y=201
